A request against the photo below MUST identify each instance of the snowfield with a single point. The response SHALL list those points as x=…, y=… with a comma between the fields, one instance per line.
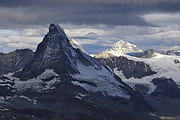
x=103, y=79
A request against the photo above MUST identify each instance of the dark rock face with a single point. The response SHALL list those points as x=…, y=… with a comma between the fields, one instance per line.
x=176, y=61
x=172, y=52
x=14, y=61
x=166, y=87
x=39, y=113
x=6, y=87
x=129, y=68
x=142, y=88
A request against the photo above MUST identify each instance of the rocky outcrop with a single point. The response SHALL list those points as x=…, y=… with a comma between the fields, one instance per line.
x=6, y=87
x=14, y=61
x=176, y=61
x=166, y=87
x=129, y=68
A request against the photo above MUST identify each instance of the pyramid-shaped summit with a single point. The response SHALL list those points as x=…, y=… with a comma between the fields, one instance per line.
x=55, y=52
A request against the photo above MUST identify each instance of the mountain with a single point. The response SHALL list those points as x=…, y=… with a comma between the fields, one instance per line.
x=149, y=53
x=62, y=82
x=116, y=59
x=14, y=61
x=171, y=52
x=121, y=47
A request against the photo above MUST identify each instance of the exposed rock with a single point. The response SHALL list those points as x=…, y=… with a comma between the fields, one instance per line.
x=176, y=61
x=129, y=68
x=6, y=87
x=14, y=61
x=142, y=88
x=166, y=87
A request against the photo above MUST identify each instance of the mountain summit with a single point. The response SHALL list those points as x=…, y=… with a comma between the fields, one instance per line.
x=118, y=49
x=123, y=47
x=55, y=52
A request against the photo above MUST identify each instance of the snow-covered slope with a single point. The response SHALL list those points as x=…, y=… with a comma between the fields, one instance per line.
x=76, y=45
x=164, y=65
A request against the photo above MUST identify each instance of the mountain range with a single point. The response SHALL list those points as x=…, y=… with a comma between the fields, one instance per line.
x=61, y=82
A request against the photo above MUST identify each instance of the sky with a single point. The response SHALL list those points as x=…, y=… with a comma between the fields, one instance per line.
x=146, y=23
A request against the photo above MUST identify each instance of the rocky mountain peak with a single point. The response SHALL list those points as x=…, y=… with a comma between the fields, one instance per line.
x=52, y=28
x=56, y=52
x=56, y=30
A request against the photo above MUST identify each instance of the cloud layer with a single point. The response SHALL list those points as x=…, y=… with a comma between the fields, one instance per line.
x=23, y=13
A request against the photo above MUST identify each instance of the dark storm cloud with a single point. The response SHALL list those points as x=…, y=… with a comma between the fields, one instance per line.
x=20, y=13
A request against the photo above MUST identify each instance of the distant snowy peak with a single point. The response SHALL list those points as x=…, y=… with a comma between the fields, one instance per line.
x=76, y=45
x=119, y=48
x=124, y=48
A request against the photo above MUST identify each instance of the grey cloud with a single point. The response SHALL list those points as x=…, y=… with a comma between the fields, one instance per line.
x=23, y=13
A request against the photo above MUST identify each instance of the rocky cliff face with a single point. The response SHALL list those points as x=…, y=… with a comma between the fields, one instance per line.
x=166, y=87
x=14, y=61
x=65, y=83
x=128, y=67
